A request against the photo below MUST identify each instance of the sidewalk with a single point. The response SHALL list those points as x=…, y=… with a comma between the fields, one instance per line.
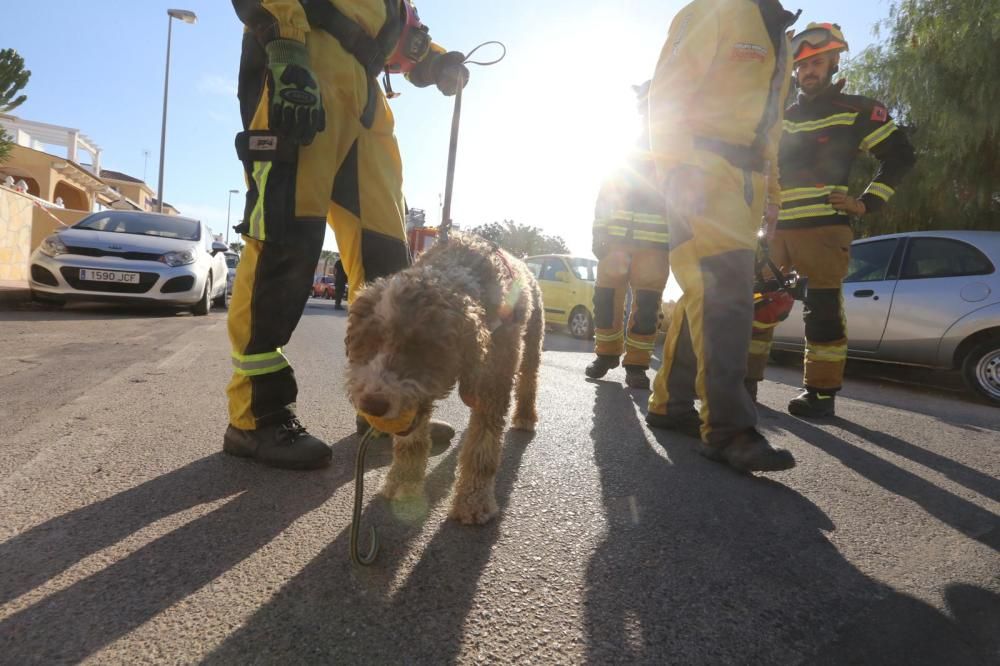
x=12, y=292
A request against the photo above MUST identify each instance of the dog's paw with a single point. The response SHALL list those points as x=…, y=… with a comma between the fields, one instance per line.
x=474, y=509
x=394, y=489
x=521, y=423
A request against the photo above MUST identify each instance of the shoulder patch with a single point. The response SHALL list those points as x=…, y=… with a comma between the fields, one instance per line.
x=880, y=114
x=744, y=52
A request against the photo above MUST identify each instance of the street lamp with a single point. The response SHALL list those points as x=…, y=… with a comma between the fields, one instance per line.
x=229, y=203
x=187, y=17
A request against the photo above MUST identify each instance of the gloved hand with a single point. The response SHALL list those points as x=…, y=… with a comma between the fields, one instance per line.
x=771, y=213
x=685, y=191
x=847, y=203
x=600, y=249
x=450, y=72
x=296, y=107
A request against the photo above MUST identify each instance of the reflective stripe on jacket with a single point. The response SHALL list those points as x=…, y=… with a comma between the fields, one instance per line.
x=822, y=137
x=630, y=208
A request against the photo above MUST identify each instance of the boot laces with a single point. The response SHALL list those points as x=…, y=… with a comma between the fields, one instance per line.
x=291, y=430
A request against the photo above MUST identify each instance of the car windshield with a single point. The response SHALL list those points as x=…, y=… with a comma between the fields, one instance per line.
x=585, y=269
x=143, y=225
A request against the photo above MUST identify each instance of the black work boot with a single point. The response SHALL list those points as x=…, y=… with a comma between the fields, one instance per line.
x=441, y=431
x=812, y=404
x=748, y=451
x=635, y=377
x=600, y=366
x=751, y=386
x=285, y=445
x=686, y=423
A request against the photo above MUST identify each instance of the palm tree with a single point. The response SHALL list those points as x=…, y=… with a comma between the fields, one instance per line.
x=326, y=256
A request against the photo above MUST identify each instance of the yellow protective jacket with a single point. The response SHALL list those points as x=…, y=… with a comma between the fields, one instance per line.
x=286, y=19
x=715, y=78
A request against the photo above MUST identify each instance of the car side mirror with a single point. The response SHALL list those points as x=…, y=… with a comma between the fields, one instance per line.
x=218, y=247
x=562, y=276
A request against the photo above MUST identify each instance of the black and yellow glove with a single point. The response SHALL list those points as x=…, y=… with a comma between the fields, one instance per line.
x=296, y=106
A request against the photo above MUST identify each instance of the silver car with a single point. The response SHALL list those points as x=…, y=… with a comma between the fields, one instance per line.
x=929, y=298
x=133, y=257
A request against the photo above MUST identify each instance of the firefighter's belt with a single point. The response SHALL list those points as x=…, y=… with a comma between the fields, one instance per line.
x=742, y=157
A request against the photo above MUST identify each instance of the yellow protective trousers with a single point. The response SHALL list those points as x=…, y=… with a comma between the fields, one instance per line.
x=645, y=272
x=712, y=256
x=349, y=177
x=822, y=254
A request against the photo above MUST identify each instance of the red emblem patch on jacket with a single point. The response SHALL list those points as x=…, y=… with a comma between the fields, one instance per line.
x=880, y=114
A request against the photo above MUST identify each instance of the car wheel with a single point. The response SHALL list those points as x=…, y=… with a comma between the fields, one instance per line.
x=222, y=300
x=581, y=324
x=981, y=370
x=204, y=306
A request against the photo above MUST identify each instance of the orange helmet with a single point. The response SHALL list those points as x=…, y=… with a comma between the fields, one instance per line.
x=818, y=38
x=770, y=309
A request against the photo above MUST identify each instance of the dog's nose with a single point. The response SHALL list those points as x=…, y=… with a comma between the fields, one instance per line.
x=374, y=404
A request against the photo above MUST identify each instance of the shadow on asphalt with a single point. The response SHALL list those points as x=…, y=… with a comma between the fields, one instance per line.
x=969, y=519
x=90, y=311
x=703, y=565
x=556, y=340
x=73, y=623
x=336, y=612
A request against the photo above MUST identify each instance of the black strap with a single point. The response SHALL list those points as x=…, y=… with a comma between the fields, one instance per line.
x=776, y=23
x=747, y=158
x=370, y=52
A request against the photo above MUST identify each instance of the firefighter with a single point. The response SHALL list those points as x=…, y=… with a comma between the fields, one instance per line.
x=631, y=243
x=318, y=148
x=339, y=284
x=824, y=130
x=715, y=119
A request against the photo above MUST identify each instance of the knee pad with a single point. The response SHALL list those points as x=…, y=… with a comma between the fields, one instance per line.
x=824, y=316
x=648, y=307
x=604, y=307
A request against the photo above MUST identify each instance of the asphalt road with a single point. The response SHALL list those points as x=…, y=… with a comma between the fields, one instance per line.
x=126, y=536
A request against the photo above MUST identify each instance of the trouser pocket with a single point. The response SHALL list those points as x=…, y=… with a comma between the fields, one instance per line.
x=270, y=162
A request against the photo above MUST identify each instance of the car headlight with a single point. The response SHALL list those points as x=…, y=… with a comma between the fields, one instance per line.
x=178, y=258
x=53, y=246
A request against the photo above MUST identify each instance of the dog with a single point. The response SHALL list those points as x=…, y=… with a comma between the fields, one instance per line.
x=465, y=313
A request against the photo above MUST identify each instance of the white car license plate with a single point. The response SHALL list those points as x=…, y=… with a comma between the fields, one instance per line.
x=94, y=275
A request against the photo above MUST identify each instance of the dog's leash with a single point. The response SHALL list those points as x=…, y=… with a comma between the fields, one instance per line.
x=456, y=118
x=359, y=496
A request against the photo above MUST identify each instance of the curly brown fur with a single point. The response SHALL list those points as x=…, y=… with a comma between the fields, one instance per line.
x=462, y=315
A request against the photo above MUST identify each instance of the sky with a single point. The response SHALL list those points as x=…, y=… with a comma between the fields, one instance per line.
x=539, y=130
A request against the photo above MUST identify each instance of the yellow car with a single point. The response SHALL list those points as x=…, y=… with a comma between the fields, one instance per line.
x=568, y=291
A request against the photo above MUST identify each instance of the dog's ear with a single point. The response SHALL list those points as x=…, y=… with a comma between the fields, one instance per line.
x=475, y=330
x=360, y=320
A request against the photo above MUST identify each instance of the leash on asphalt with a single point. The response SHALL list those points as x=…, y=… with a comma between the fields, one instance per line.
x=359, y=463
x=456, y=118
x=359, y=496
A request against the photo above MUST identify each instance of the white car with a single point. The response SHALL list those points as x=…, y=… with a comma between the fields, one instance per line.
x=130, y=256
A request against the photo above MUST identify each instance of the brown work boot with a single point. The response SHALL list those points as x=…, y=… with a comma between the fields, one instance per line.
x=441, y=431
x=636, y=378
x=686, y=422
x=285, y=445
x=600, y=366
x=748, y=451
